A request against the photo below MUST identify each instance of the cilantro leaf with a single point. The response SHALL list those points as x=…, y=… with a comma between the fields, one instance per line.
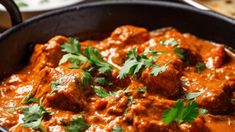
x=102, y=81
x=77, y=124
x=96, y=59
x=33, y=116
x=170, y=41
x=72, y=46
x=142, y=90
x=86, y=78
x=54, y=84
x=158, y=69
x=180, y=53
x=193, y=95
x=117, y=129
x=74, y=59
x=203, y=111
x=101, y=92
x=29, y=99
x=181, y=114
x=135, y=63
x=200, y=66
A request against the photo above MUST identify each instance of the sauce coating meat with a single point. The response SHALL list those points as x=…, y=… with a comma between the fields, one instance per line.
x=132, y=81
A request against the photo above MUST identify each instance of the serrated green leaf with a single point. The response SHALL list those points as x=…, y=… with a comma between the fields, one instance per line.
x=171, y=41
x=77, y=124
x=29, y=99
x=117, y=129
x=158, y=69
x=193, y=95
x=87, y=79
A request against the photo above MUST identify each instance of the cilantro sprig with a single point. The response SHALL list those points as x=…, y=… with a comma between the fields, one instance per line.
x=77, y=124
x=101, y=92
x=135, y=63
x=33, y=116
x=193, y=95
x=174, y=43
x=74, y=55
x=181, y=114
x=117, y=129
x=54, y=85
x=29, y=99
x=200, y=66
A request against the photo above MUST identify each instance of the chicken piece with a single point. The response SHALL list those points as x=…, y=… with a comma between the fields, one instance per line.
x=129, y=35
x=48, y=54
x=215, y=58
x=215, y=95
x=61, y=88
x=68, y=93
x=166, y=83
x=147, y=113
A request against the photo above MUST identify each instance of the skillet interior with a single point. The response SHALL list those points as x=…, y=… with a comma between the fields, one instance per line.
x=104, y=17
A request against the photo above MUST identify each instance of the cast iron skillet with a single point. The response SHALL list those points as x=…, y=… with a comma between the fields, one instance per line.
x=104, y=17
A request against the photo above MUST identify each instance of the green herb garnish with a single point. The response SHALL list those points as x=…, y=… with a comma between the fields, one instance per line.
x=77, y=124
x=135, y=63
x=117, y=129
x=170, y=41
x=158, y=69
x=29, y=99
x=103, y=81
x=200, y=67
x=54, y=85
x=193, y=95
x=101, y=92
x=96, y=59
x=87, y=79
x=33, y=116
x=180, y=53
x=181, y=114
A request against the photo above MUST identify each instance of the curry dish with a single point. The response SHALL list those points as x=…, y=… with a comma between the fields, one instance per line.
x=132, y=81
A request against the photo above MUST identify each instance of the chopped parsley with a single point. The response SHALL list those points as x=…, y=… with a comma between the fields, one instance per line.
x=54, y=85
x=158, y=69
x=29, y=99
x=180, y=53
x=193, y=95
x=117, y=129
x=101, y=92
x=181, y=114
x=174, y=43
x=135, y=63
x=33, y=116
x=79, y=59
x=103, y=81
x=170, y=41
x=200, y=66
x=96, y=59
x=87, y=79
x=77, y=124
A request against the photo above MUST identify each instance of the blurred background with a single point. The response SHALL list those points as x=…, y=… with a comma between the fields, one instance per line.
x=30, y=8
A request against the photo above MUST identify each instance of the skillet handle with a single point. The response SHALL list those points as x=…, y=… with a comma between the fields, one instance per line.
x=13, y=11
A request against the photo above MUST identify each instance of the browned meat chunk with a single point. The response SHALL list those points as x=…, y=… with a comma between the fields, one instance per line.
x=48, y=54
x=215, y=57
x=166, y=83
x=216, y=95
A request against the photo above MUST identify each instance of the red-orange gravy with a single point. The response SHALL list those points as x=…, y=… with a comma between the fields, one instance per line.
x=144, y=114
